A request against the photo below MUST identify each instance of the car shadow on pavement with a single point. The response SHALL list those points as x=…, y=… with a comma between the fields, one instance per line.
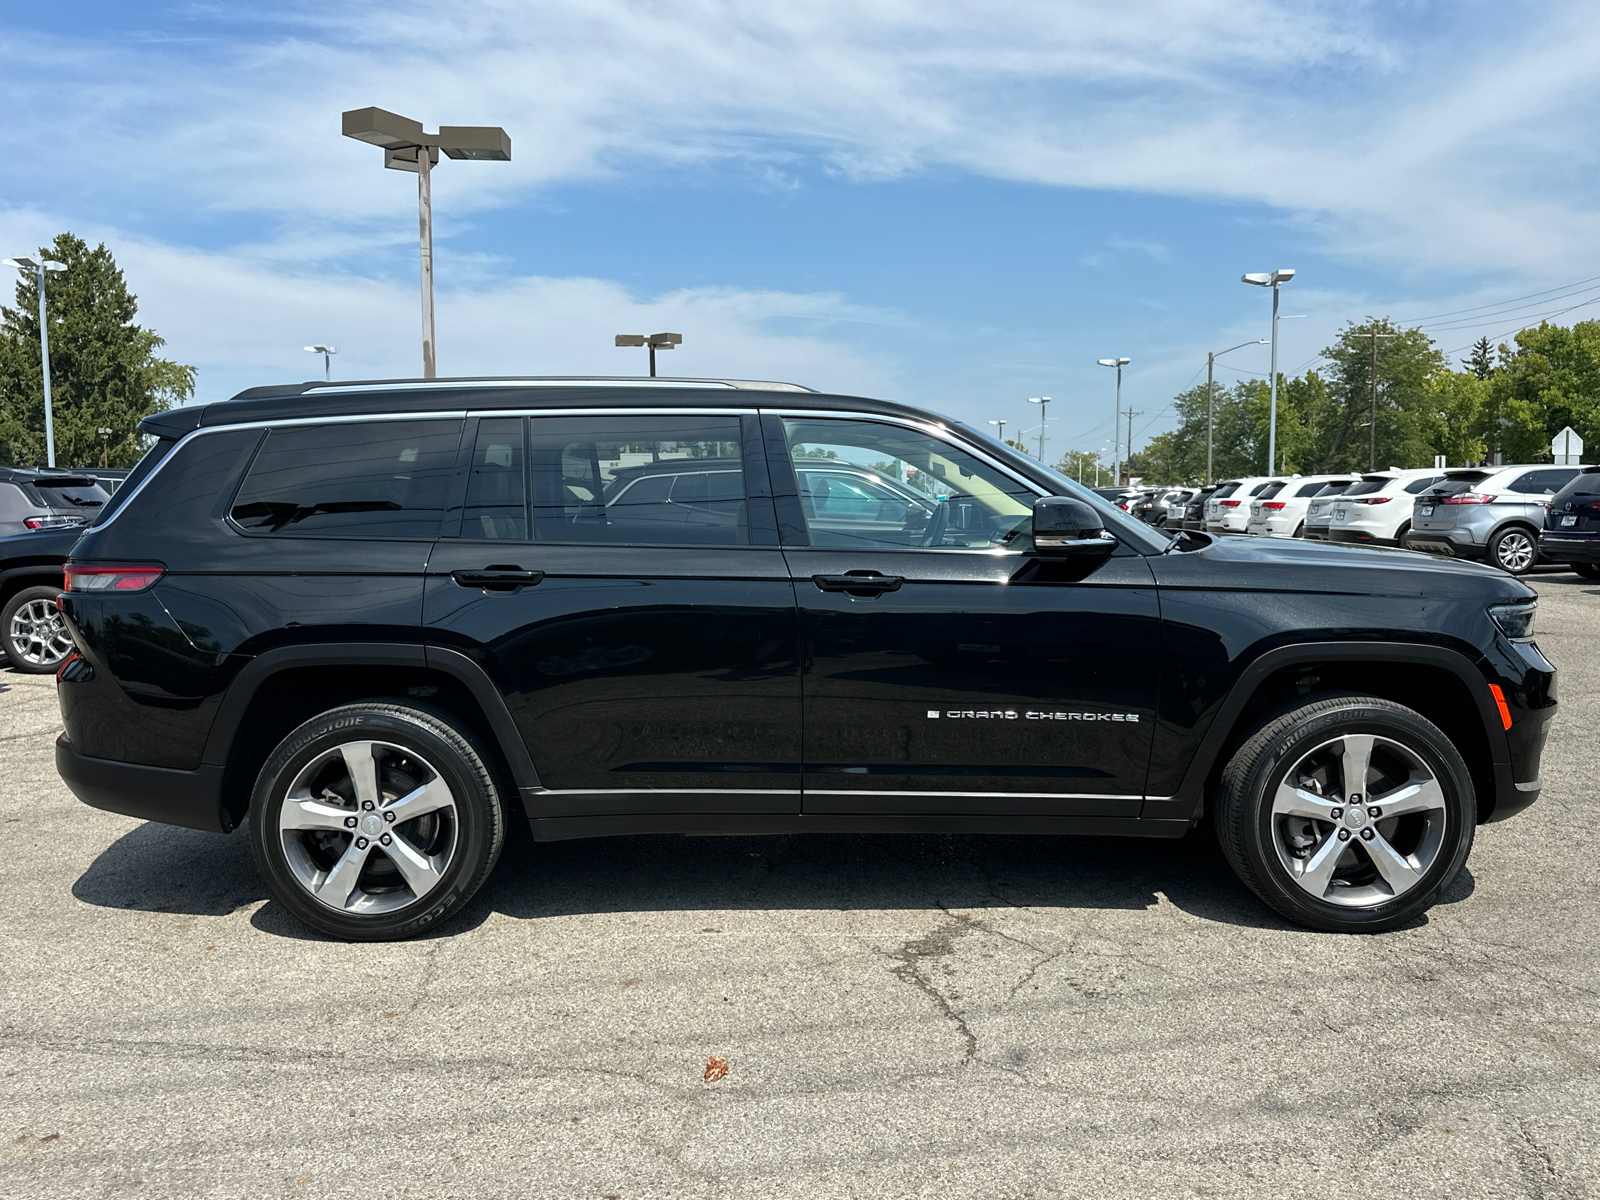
x=159, y=868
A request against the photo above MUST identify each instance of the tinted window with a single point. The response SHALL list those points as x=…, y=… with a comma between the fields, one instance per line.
x=72, y=495
x=1310, y=489
x=1225, y=491
x=1422, y=485
x=496, y=486
x=645, y=480
x=867, y=484
x=1366, y=487
x=1587, y=483
x=1269, y=491
x=1543, y=483
x=377, y=479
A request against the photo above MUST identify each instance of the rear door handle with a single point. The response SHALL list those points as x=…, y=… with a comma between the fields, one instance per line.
x=859, y=583
x=498, y=578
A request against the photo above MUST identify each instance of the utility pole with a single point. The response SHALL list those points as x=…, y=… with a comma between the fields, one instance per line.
x=1132, y=413
x=1211, y=360
x=1044, y=404
x=1372, y=424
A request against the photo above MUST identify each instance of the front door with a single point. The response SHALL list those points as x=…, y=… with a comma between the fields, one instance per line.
x=947, y=672
x=619, y=578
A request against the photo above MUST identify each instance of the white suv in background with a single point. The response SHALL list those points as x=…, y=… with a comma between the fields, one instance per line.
x=1280, y=510
x=1376, y=511
x=1228, y=510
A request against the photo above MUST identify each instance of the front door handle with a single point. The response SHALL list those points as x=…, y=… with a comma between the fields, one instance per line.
x=498, y=578
x=859, y=583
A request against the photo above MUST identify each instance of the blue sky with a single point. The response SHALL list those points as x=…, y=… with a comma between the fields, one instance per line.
x=950, y=204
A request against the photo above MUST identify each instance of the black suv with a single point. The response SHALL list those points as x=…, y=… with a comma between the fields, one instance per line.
x=1571, y=531
x=365, y=618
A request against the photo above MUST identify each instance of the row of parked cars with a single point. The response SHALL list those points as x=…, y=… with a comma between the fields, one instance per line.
x=1511, y=516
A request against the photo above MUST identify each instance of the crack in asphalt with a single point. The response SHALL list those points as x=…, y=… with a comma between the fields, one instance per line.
x=937, y=944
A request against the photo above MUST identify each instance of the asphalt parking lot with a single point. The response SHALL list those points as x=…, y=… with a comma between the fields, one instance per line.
x=912, y=1016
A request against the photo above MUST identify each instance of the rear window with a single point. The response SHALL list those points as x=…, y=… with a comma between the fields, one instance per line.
x=1543, y=483
x=1271, y=490
x=370, y=479
x=1313, y=489
x=1366, y=487
x=1225, y=491
x=1585, y=483
x=1421, y=485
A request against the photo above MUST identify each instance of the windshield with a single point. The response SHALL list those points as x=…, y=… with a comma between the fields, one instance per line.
x=1128, y=528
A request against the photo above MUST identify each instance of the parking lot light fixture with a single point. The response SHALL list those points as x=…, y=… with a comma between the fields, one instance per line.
x=1116, y=426
x=1001, y=423
x=408, y=147
x=1044, y=405
x=1271, y=279
x=655, y=341
x=40, y=266
x=327, y=365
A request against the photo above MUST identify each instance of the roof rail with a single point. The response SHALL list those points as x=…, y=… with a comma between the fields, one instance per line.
x=511, y=381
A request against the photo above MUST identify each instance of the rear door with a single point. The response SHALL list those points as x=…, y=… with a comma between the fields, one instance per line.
x=643, y=633
x=945, y=671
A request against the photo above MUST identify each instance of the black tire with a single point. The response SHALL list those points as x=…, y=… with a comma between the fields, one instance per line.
x=1299, y=530
x=1515, y=549
x=28, y=647
x=1587, y=570
x=1256, y=841
x=452, y=848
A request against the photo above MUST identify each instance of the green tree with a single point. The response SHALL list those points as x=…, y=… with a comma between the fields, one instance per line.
x=1407, y=427
x=1481, y=361
x=1550, y=381
x=104, y=371
x=1080, y=464
x=1458, y=398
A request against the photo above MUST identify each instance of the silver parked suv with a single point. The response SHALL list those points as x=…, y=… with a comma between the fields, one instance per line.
x=1490, y=513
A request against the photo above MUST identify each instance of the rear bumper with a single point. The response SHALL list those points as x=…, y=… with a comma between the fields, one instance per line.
x=1569, y=548
x=1442, y=543
x=173, y=797
x=1357, y=537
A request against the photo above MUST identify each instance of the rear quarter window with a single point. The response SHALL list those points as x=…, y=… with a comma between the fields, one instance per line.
x=367, y=479
x=1417, y=486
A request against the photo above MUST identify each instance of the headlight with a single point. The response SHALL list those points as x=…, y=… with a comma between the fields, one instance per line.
x=1515, y=620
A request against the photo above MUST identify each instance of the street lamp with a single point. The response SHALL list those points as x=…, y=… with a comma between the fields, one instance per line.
x=39, y=266
x=327, y=363
x=1116, y=428
x=1211, y=359
x=1002, y=434
x=1044, y=403
x=656, y=341
x=407, y=148
x=1272, y=279
x=105, y=445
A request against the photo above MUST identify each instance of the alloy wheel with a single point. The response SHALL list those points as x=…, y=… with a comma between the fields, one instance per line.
x=1515, y=551
x=38, y=634
x=368, y=827
x=1358, y=820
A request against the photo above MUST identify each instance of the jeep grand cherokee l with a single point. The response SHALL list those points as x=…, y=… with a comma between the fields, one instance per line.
x=370, y=621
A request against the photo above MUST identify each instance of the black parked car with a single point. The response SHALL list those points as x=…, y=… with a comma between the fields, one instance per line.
x=1194, y=512
x=370, y=620
x=1571, y=531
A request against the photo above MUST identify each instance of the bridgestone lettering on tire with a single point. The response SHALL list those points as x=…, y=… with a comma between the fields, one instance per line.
x=1347, y=813
x=376, y=821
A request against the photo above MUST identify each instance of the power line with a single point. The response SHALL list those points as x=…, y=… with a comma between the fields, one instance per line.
x=1498, y=303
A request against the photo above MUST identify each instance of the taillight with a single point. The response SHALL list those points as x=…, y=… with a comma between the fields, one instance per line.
x=98, y=578
x=53, y=522
x=1230, y=504
x=1376, y=500
x=1274, y=505
x=1468, y=498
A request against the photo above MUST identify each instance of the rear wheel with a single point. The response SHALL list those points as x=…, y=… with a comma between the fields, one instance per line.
x=1514, y=549
x=374, y=822
x=1348, y=813
x=36, y=637
x=1587, y=570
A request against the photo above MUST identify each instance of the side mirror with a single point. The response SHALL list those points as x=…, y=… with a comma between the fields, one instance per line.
x=1065, y=527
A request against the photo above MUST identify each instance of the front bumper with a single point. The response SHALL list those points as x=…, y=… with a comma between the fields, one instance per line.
x=1569, y=548
x=166, y=794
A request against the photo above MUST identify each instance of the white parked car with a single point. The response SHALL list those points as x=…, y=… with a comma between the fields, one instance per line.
x=1377, y=510
x=1280, y=510
x=1228, y=510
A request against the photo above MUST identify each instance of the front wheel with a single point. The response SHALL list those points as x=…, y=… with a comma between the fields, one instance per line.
x=1514, y=550
x=374, y=822
x=1348, y=813
x=36, y=637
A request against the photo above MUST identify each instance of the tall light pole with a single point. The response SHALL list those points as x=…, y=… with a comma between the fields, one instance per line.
x=1272, y=279
x=1211, y=359
x=1372, y=421
x=327, y=364
x=406, y=147
x=1044, y=404
x=1116, y=427
x=1002, y=434
x=656, y=341
x=39, y=266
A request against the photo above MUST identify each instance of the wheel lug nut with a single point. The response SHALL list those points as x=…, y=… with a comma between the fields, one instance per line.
x=386, y=839
x=349, y=822
x=1344, y=835
x=389, y=817
x=1374, y=811
x=1336, y=813
x=1355, y=798
x=1366, y=835
x=366, y=806
x=362, y=843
